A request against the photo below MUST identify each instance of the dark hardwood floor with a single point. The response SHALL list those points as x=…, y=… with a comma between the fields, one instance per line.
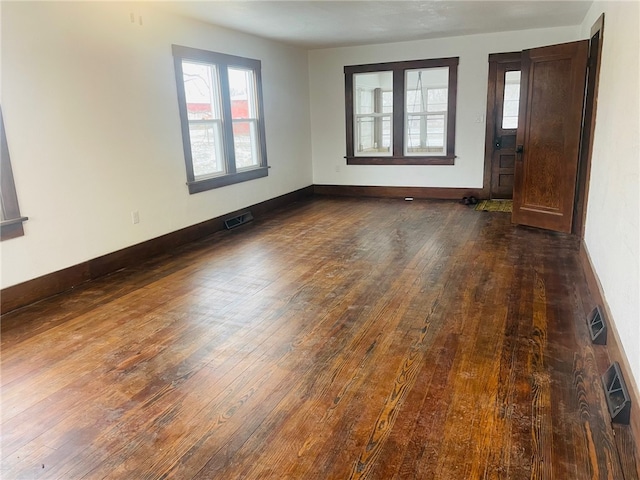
x=339, y=338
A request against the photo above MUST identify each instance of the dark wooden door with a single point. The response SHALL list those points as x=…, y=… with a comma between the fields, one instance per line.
x=502, y=121
x=548, y=138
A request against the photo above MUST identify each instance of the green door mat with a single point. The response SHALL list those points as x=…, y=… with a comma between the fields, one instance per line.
x=495, y=205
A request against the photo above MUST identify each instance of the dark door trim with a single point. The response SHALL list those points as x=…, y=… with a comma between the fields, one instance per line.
x=494, y=60
x=588, y=128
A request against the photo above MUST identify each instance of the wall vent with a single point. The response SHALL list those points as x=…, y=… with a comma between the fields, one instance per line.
x=238, y=220
x=615, y=390
x=597, y=326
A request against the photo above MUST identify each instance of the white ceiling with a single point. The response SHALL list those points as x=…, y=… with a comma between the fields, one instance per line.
x=319, y=24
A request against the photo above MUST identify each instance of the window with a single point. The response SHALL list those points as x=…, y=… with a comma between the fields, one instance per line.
x=511, y=97
x=10, y=218
x=401, y=113
x=220, y=102
x=373, y=110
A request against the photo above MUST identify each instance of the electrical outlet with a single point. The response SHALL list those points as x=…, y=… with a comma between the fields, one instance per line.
x=337, y=168
x=135, y=217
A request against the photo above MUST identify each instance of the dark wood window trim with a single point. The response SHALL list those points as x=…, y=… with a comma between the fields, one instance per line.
x=398, y=68
x=222, y=61
x=11, y=224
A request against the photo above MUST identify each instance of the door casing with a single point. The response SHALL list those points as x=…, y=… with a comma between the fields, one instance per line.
x=588, y=127
x=499, y=161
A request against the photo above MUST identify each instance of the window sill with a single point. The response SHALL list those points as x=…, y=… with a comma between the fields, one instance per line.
x=441, y=160
x=229, y=179
x=12, y=228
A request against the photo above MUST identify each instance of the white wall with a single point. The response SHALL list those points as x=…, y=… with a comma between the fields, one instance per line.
x=91, y=116
x=613, y=211
x=328, y=115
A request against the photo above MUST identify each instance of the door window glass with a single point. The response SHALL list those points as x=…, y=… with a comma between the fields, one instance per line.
x=511, y=99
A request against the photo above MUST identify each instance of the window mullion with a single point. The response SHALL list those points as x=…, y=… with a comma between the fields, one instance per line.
x=262, y=145
x=227, y=122
x=350, y=101
x=450, y=124
x=398, y=112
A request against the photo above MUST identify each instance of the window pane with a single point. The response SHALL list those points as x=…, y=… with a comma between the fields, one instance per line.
x=373, y=135
x=387, y=101
x=437, y=99
x=242, y=93
x=373, y=109
x=386, y=133
x=243, y=107
x=425, y=134
x=206, y=148
x=426, y=100
x=245, y=142
x=201, y=88
x=202, y=93
x=364, y=101
x=364, y=134
x=511, y=102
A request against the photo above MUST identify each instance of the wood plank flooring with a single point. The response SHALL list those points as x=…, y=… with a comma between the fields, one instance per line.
x=339, y=338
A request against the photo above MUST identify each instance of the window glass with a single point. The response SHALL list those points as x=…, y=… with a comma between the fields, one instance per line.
x=511, y=101
x=373, y=113
x=244, y=115
x=426, y=96
x=205, y=119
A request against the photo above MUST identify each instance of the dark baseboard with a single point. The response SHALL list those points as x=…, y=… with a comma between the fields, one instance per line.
x=614, y=347
x=398, y=192
x=51, y=284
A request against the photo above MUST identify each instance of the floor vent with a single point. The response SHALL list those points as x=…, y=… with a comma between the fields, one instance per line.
x=238, y=220
x=618, y=399
x=597, y=326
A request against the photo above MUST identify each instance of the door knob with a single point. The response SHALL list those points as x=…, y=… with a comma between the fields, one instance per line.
x=519, y=149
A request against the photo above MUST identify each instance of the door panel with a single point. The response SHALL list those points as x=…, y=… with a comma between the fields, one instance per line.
x=502, y=167
x=548, y=138
x=507, y=161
